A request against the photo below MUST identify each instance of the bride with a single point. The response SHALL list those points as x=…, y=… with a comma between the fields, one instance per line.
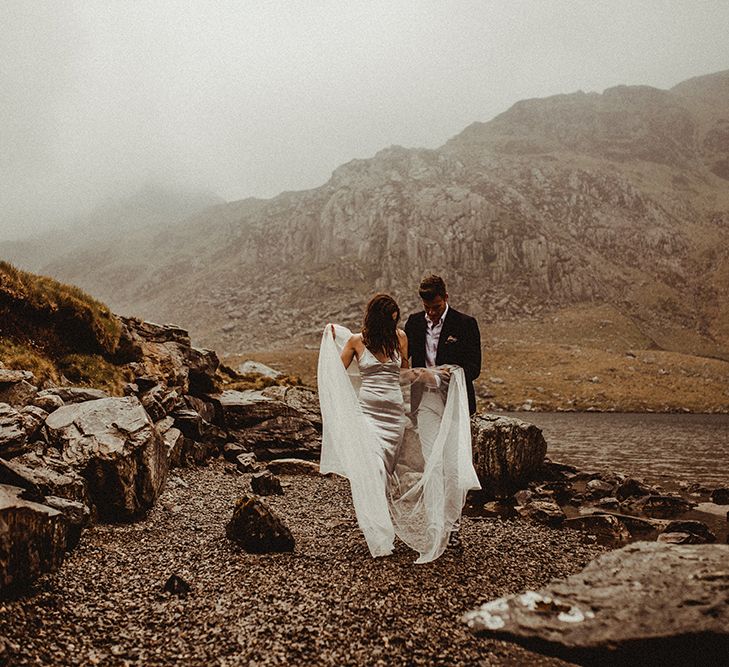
x=409, y=475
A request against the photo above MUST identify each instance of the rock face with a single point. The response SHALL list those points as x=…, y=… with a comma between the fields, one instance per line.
x=506, y=453
x=33, y=538
x=115, y=447
x=624, y=608
x=572, y=198
x=257, y=529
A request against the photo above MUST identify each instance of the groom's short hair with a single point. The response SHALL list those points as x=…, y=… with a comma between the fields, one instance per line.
x=432, y=286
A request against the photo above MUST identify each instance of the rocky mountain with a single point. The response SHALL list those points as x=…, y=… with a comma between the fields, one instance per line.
x=620, y=198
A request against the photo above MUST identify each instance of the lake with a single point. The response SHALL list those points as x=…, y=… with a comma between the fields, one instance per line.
x=657, y=447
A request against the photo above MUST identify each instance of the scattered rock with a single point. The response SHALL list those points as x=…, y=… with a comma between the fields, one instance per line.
x=631, y=488
x=543, y=511
x=606, y=503
x=606, y=527
x=246, y=462
x=176, y=585
x=624, y=608
x=19, y=393
x=720, y=496
x=257, y=529
x=597, y=488
x=293, y=467
x=265, y=483
x=696, y=528
x=47, y=402
x=232, y=450
x=507, y=453
x=662, y=507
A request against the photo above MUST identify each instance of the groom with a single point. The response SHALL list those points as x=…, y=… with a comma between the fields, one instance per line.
x=439, y=335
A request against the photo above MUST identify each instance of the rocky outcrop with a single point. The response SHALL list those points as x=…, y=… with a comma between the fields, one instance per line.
x=257, y=529
x=33, y=539
x=507, y=453
x=12, y=431
x=114, y=445
x=624, y=608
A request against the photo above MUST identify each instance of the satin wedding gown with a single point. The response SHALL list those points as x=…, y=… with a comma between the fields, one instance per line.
x=404, y=482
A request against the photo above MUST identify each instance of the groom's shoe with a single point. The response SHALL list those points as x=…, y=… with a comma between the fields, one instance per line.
x=454, y=540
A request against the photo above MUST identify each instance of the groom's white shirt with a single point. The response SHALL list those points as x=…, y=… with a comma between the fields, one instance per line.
x=432, y=336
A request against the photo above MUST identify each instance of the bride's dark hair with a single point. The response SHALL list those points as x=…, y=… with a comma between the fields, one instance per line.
x=379, y=333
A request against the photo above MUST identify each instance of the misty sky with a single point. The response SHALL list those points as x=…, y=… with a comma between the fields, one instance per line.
x=252, y=98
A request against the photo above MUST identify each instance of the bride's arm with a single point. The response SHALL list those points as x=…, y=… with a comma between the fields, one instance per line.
x=348, y=351
x=403, y=340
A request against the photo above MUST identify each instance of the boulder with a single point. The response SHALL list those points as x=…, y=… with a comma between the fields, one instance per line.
x=78, y=517
x=205, y=409
x=597, y=488
x=10, y=376
x=554, y=471
x=281, y=437
x=174, y=446
x=12, y=431
x=202, y=366
x=44, y=477
x=232, y=450
x=33, y=420
x=677, y=537
x=632, y=488
x=543, y=511
x=257, y=529
x=159, y=401
x=265, y=483
x=257, y=368
x=75, y=394
x=239, y=410
x=606, y=527
x=302, y=399
x=293, y=467
x=33, y=539
x=507, y=453
x=720, y=496
x=116, y=448
x=696, y=528
x=47, y=402
x=17, y=394
x=624, y=608
x=246, y=462
x=662, y=507
x=606, y=503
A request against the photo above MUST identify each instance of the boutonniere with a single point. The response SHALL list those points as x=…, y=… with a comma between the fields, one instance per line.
x=451, y=339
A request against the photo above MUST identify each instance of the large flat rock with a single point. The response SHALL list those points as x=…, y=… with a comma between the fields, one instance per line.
x=646, y=604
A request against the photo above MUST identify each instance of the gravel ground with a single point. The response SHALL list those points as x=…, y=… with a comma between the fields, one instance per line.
x=328, y=603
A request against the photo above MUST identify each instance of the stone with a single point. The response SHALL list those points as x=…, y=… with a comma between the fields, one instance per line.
x=303, y=400
x=281, y=437
x=597, y=488
x=265, y=483
x=293, y=467
x=257, y=368
x=676, y=537
x=78, y=517
x=12, y=432
x=631, y=488
x=696, y=528
x=624, y=608
x=257, y=528
x=543, y=511
x=246, y=462
x=33, y=539
x=202, y=365
x=555, y=472
x=232, y=450
x=75, y=394
x=606, y=503
x=114, y=445
x=47, y=402
x=240, y=410
x=44, y=477
x=720, y=496
x=205, y=409
x=607, y=528
x=174, y=446
x=18, y=394
x=176, y=585
x=637, y=526
x=10, y=376
x=662, y=507
x=507, y=453
x=33, y=420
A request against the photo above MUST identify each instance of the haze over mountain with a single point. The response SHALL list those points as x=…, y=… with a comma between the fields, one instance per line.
x=619, y=198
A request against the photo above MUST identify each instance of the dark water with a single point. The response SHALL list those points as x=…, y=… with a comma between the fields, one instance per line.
x=660, y=448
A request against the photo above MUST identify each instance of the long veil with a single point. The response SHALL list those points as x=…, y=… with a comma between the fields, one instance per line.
x=421, y=496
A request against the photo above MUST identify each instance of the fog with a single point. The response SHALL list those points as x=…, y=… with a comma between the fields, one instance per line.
x=252, y=98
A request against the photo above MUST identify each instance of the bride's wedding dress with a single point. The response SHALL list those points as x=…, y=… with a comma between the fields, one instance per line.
x=409, y=475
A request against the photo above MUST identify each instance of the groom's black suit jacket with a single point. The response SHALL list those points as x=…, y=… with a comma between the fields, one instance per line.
x=459, y=343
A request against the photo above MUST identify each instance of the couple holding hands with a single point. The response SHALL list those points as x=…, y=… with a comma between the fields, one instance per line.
x=396, y=409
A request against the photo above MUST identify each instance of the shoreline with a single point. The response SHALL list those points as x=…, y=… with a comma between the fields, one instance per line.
x=328, y=602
